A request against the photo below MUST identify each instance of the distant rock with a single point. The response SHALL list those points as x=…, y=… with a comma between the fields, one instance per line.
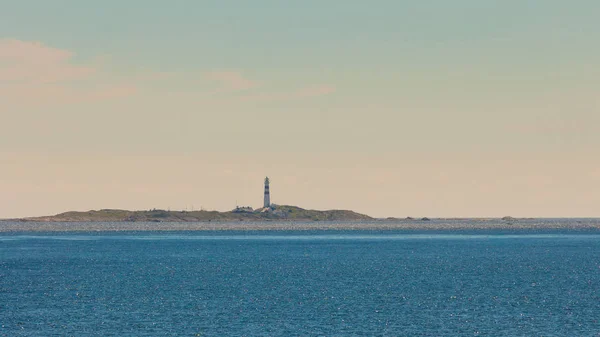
x=509, y=218
x=425, y=219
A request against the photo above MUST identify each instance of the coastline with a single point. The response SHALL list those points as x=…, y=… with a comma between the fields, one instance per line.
x=7, y=226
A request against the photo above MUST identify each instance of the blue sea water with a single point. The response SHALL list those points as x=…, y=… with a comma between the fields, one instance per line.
x=321, y=283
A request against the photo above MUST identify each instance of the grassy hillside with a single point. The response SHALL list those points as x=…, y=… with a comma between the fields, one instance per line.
x=297, y=213
x=290, y=213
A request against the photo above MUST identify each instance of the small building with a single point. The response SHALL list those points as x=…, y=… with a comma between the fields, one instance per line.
x=243, y=209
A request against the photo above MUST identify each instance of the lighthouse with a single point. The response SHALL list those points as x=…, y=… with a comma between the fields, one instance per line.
x=267, y=194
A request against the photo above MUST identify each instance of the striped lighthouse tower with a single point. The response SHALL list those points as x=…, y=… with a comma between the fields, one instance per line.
x=267, y=194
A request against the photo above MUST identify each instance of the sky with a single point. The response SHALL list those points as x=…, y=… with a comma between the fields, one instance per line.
x=465, y=108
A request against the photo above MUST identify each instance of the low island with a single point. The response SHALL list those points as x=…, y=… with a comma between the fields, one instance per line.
x=269, y=217
x=273, y=212
x=274, y=217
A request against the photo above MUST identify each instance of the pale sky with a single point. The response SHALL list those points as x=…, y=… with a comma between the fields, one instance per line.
x=391, y=108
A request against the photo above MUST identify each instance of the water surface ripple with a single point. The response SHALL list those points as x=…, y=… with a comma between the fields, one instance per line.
x=315, y=283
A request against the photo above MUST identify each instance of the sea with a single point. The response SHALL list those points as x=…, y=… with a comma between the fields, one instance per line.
x=301, y=283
